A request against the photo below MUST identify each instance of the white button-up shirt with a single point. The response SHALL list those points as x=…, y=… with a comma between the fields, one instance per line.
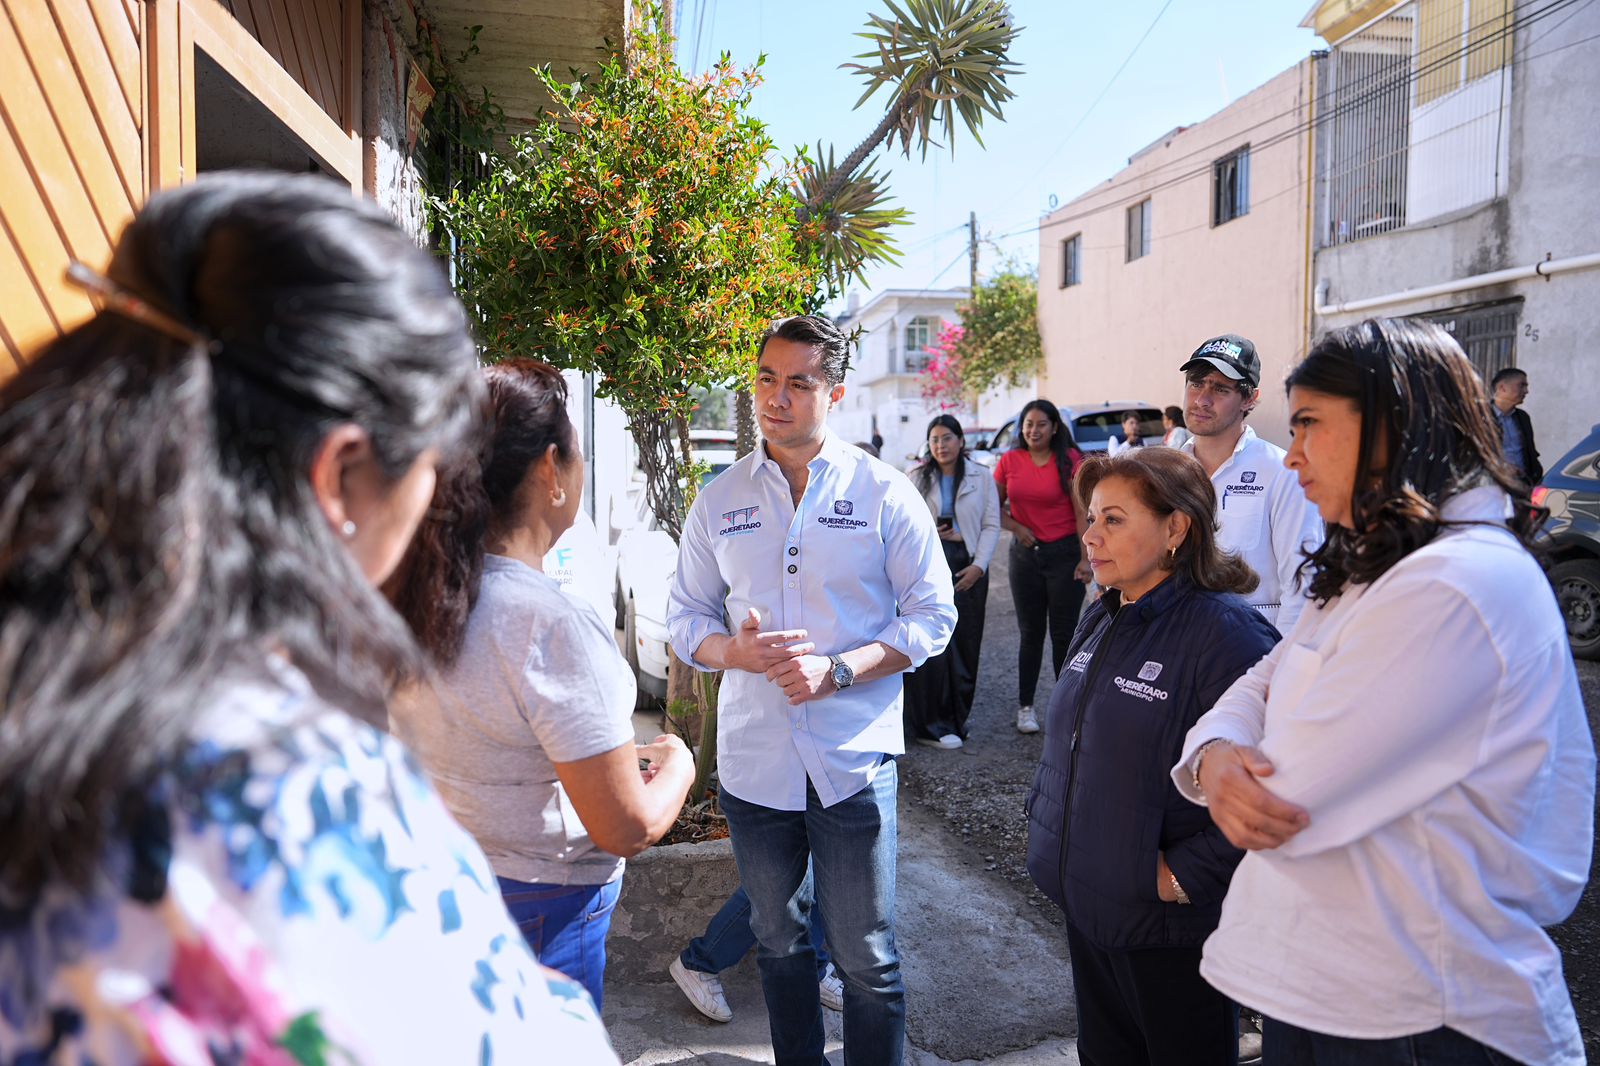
x=1432, y=726
x=857, y=561
x=1264, y=517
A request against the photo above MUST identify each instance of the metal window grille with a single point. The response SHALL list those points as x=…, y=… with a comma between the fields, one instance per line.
x=1230, y=187
x=1139, y=230
x=1486, y=332
x=1412, y=117
x=1363, y=105
x=1072, y=260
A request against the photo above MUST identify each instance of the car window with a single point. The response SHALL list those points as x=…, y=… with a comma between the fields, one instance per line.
x=1004, y=437
x=1104, y=425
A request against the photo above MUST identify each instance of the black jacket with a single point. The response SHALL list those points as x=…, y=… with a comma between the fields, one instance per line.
x=1531, y=471
x=1103, y=803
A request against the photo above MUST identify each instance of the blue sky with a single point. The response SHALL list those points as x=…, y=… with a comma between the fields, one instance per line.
x=1200, y=55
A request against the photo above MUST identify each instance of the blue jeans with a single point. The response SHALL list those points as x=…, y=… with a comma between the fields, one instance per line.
x=1283, y=1044
x=851, y=850
x=728, y=938
x=566, y=926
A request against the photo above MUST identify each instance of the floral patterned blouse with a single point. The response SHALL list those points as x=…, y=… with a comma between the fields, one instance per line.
x=298, y=895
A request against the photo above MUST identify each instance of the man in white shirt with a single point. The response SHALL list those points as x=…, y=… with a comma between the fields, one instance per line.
x=812, y=575
x=1262, y=514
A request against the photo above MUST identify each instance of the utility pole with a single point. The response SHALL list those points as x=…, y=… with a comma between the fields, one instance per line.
x=972, y=248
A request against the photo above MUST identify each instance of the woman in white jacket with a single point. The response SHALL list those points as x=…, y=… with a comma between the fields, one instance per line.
x=1411, y=768
x=966, y=506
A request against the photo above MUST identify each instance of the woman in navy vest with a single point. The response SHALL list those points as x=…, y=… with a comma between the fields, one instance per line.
x=1141, y=872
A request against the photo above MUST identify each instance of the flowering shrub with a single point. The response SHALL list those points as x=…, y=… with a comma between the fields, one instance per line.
x=645, y=231
x=941, y=381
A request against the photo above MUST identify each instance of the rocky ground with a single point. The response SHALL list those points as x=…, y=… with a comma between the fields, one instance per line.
x=979, y=790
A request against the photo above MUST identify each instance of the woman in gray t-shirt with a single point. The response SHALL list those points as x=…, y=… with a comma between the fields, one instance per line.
x=527, y=727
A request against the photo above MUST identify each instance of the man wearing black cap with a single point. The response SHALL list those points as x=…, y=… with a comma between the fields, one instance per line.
x=1262, y=514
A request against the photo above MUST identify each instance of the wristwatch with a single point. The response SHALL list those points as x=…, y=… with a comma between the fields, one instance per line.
x=843, y=676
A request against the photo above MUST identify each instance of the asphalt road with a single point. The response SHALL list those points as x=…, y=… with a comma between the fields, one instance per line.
x=978, y=793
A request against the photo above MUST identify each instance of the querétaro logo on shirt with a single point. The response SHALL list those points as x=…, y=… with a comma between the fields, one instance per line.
x=835, y=521
x=740, y=520
x=1149, y=671
x=1140, y=690
x=1248, y=477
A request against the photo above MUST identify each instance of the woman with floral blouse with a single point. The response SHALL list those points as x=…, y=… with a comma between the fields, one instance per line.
x=208, y=854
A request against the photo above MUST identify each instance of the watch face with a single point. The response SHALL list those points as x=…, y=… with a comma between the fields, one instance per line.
x=842, y=675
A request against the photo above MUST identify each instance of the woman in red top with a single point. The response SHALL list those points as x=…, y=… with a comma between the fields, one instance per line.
x=1035, y=481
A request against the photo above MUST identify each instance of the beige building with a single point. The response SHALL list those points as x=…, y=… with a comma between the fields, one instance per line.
x=1204, y=232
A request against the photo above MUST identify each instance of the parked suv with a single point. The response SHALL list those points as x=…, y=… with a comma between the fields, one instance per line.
x=1571, y=490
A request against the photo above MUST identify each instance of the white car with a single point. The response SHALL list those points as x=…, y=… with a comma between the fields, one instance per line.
x=583, y=564
x=647, y=559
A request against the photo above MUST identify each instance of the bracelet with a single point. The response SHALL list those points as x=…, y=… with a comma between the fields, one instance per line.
x=1177, y=889
x=1199, y=757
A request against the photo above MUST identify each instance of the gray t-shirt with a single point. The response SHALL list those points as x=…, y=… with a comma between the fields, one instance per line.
x=539, y=681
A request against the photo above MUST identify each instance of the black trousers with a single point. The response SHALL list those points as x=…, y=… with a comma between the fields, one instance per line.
x=1044, y=592
x=939, y=693
x=1149, y=1007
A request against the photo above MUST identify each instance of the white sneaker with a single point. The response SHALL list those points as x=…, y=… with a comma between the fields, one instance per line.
x=949, y=742
x=831, y=987
x=704, y=990
x=1026, y=721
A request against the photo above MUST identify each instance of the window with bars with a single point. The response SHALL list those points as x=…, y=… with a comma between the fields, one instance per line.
x=1230, y=187
x=1072, y=260
x=1412, y=113
x=1139, y=230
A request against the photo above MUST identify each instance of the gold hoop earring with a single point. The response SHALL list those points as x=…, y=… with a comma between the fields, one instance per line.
x=1172, y=557
x=558, y=497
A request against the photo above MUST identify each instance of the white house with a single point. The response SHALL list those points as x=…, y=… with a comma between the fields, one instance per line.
x=883, y=390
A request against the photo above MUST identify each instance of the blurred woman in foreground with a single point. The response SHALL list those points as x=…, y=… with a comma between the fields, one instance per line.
x=208, y=857
x=1411, y=767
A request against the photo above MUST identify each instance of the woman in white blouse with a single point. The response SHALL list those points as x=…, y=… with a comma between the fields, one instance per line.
x=965, y=504
x=1411, y=768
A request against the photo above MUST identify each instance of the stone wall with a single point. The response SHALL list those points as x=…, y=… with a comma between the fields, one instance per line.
x=668, y=895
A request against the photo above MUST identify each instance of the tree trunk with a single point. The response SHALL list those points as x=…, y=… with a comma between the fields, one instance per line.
x=853, y=161
x=705, y=755
x=744, y=423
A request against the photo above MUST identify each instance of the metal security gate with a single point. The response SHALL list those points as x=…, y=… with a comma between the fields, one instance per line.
x=1486, y=332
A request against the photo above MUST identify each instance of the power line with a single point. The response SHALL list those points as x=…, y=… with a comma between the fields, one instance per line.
x=1349, y=104
x=1297, y=185
x=1305, y=125
x=1076, y=126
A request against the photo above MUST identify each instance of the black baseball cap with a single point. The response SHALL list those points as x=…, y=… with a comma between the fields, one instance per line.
x=1233, y=355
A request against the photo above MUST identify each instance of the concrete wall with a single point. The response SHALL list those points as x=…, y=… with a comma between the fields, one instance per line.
x=1549, y=209
x=1123, y=332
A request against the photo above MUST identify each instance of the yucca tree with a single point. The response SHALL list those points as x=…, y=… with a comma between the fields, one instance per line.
x=942, y=62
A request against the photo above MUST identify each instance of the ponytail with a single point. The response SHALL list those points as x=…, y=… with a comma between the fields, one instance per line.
x=157, y=526
x=480, y=499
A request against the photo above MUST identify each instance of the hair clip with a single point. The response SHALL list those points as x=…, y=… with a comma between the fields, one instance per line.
x=119, y=300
